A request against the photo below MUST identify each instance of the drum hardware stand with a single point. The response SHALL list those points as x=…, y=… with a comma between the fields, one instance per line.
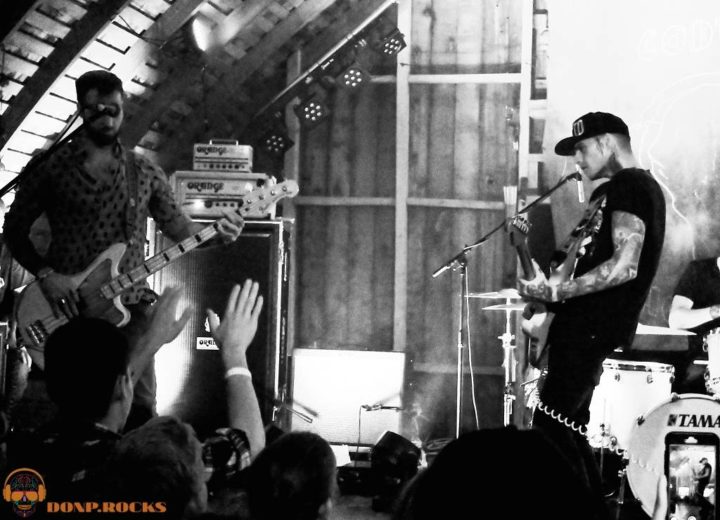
x=459, y=262
x=510, y=365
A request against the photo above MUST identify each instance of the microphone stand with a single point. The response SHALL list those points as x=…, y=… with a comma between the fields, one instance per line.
x=459, y=262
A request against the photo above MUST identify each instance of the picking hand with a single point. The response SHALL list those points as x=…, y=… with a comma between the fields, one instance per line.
x=239, y=324
x=62, y=295
x=538, y=288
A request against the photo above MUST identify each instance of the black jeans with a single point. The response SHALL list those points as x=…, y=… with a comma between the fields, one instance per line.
x=574, y=370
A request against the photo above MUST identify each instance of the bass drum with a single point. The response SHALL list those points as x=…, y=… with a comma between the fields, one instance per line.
x=685, y=413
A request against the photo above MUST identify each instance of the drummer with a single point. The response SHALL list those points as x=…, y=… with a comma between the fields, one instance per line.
x=695, y=307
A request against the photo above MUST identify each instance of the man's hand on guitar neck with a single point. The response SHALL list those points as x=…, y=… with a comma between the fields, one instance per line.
x=61, y=293
x=539, y=288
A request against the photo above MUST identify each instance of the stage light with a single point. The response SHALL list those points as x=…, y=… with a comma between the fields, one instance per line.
x=353, y=76
x=203, y=32
x=311, y=110
x=276, y=140
x=391, y=43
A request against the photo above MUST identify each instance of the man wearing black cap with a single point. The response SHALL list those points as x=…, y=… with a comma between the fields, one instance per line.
x=96, y=193
x=597, y=310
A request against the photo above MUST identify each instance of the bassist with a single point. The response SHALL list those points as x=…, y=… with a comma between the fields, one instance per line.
x=96, y=193
x=597, y=311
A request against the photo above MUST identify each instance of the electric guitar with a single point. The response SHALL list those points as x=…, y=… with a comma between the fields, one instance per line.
x=562, y=267
x=100, y=285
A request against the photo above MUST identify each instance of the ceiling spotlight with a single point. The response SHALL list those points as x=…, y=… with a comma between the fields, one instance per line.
x=276, y=141
x=353, y=76
x=392, y=43
x=203, y=32
x=311, y=110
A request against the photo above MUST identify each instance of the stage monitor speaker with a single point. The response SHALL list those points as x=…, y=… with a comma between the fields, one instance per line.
x=190, y=372
x=351, y=395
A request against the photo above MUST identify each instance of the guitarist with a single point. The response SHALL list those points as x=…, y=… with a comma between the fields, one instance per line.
x=96, y=193
x=597, y=310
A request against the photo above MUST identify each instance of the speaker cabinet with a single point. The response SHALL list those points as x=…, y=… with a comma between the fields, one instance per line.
x=190, y=373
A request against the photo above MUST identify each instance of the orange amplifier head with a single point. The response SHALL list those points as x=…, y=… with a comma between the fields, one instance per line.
x=206, y=194
x=222, y=155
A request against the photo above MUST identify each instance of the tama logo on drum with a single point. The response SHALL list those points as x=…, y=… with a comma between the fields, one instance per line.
x=689, y=420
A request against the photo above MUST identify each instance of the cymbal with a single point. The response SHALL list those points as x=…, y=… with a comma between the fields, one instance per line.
x=519, y=306
x=661, y=331
x=503, y=294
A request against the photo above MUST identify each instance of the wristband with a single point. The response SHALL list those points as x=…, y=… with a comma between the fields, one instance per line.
x=237, y=371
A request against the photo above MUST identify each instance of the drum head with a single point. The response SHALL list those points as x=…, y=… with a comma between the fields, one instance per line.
x=687, y=413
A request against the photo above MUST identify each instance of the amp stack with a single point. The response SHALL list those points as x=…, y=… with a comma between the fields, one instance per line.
x=190, y=382
x=222, y=174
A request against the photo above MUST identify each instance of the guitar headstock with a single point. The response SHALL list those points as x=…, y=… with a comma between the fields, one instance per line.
x=267, y=195
x=518, y=228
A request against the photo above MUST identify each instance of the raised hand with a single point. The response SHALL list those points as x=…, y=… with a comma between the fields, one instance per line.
x=163, y=327
x=239, y=323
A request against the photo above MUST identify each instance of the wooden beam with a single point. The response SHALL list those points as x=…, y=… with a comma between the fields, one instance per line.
x=165, y=26
x=344, y=201
x=402, y=176
x=82, y=34
x=238, y=19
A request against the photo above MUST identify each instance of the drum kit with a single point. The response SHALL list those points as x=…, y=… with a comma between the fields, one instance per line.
x=633, y=407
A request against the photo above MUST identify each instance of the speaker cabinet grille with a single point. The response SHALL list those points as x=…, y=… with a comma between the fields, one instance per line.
x=190, y=374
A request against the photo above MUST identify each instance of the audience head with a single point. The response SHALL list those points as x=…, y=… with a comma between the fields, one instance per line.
x=160, y=461
x=518, y=473
x=293, y=478
x=86, y=368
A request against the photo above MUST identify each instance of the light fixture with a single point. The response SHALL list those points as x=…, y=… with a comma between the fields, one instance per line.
x=203, y=32
x=390, y=44
x=353, y=76
x=311, y=110
x=276, y=140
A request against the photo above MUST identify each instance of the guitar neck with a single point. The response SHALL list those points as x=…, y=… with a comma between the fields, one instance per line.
x=155, y=263
x=525, y=260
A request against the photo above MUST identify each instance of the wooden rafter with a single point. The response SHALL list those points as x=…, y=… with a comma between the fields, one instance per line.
x=83, y=33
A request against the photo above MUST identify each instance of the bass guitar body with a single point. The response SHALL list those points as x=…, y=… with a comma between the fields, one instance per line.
x=35, y=317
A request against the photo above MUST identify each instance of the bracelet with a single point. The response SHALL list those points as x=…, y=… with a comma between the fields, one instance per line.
x=237, y=371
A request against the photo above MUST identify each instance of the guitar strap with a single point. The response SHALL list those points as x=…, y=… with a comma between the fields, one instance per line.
x=584, y=228
x=132, y=187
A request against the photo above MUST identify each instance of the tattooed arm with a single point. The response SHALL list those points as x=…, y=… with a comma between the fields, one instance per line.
x=628, y=235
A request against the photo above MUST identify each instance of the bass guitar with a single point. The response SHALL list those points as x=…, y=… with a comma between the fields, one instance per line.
x=100, y=285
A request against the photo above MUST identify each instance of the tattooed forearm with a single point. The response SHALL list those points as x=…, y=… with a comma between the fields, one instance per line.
x=628, y=233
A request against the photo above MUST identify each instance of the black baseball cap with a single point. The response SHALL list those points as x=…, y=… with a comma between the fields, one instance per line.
x=590, y=125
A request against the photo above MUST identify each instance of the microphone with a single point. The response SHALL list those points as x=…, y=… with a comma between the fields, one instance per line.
x=579, y=183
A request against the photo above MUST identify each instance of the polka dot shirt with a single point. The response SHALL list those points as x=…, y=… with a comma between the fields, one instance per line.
x=87, y=215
